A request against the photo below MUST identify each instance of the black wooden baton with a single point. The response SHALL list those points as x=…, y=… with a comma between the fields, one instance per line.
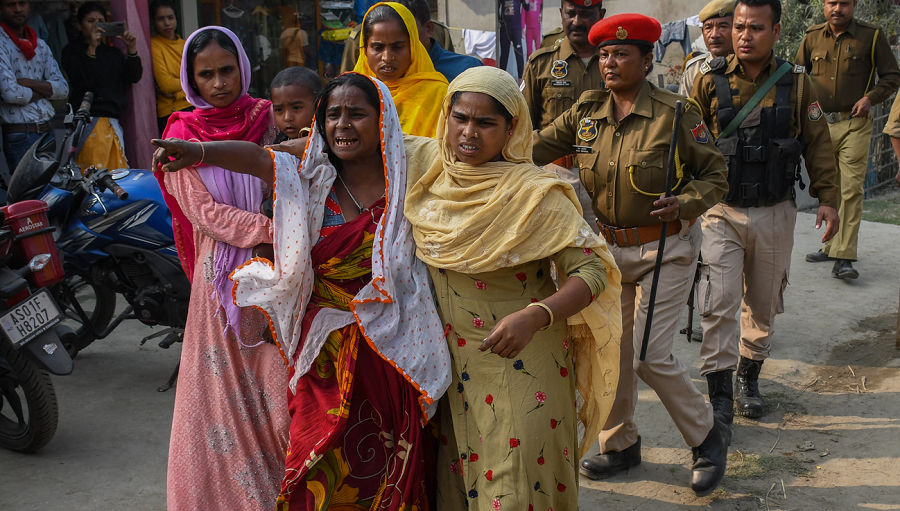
x=670, y=178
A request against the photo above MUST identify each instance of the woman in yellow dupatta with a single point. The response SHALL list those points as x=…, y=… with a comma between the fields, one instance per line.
x=488, y=223
x=390, y=50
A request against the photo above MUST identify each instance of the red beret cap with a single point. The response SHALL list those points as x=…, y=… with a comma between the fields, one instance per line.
x=586, y=3
x=630, y=28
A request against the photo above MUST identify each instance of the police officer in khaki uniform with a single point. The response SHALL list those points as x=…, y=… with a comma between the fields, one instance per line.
x=430, y=30
x=621, y=143
x=715, y=21
x=844, y=56
x=556, y=76
x=747, y=239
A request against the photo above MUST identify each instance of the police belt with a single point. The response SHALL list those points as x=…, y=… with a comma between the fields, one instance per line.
x=833, y=117
x=634, y=236
x=566, y=161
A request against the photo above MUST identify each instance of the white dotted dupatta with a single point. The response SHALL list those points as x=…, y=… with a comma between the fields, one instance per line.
x=395, y=311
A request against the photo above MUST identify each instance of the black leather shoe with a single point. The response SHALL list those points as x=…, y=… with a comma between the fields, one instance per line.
x=818, y=257
x=843, y=269
x=721, y=396
x=746, y=389
x=710, y=460
x=604, y=466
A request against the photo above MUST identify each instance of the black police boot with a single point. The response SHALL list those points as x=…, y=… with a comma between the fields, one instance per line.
x=818, y=257
x=604, y=466
x=746, y=387
x=710, y=459
x=721, y=396
x=843, y=269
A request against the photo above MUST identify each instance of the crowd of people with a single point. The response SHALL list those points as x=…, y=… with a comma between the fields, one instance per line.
x=381, y=264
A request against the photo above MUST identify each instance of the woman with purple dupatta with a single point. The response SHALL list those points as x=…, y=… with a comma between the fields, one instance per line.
x=230, y=426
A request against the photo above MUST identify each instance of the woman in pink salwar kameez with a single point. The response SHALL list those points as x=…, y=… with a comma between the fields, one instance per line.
x=230, y=426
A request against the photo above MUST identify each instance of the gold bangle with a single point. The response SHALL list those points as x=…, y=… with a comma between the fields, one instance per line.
x=546, y=308
x=202, y=155
x=304, y=132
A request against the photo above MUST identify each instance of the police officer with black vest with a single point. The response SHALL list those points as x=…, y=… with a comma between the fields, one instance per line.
x=765, y=114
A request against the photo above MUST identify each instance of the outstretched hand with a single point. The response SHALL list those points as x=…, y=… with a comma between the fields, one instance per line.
x=294, y=147
x=175, y=154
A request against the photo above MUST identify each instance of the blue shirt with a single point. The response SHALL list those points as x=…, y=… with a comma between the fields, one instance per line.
x=448, y=63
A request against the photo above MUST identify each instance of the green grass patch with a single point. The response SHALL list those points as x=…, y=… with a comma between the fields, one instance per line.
x=758, y=466
x=884, y=209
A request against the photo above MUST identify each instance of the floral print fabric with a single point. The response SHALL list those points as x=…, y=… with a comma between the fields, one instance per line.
x=508, y=426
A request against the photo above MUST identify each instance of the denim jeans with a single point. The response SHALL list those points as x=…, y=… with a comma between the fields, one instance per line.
x=15, y=145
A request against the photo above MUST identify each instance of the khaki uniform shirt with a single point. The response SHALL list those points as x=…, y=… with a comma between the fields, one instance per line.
x=606, y=150
x=554, y=78
x=840, y=68
x=691, y=70
x=553, y=37
x=892, y=128
x=807, y=120
x=351, y=45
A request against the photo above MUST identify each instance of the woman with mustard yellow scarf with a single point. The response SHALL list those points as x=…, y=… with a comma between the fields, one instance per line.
x=390, y=50
x=489, y=223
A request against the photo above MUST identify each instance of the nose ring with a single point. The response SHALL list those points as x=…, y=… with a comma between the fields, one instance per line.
x=475, y=135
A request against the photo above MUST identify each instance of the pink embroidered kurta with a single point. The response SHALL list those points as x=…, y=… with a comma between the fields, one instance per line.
x=230, y=427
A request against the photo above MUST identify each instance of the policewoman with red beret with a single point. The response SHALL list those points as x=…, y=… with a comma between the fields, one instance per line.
x=621, y=138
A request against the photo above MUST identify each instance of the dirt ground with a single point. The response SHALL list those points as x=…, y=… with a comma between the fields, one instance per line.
x=830, y=441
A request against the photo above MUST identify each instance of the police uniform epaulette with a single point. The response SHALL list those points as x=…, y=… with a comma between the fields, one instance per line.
x=816, y=27
x=667, y=97
x=543, y=51
x=355, y=31
x=713, y=65
x=867, y=24
x=441, y=23
x=593, y=96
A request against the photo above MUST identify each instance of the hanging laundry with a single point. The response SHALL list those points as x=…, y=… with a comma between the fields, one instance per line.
x=674, y=31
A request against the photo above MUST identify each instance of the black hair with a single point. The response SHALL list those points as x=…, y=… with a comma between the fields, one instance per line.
x=199, y=43
x=302, y=77
x=381, y=14
x=351, y=80
x=774, y=4
x=156, y=5
x=645, y=50
x=419, y=10
x=87, y=8
x=499, y=109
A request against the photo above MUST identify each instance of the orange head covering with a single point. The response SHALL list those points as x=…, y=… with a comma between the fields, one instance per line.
x=420, y=92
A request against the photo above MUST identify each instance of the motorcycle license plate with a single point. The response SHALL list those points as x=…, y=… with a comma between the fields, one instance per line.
x=30, y=318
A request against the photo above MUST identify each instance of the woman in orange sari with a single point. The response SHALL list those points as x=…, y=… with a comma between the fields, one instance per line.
x=345, y=292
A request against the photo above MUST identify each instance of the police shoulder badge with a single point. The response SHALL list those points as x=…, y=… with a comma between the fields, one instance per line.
x=560, y=69
x=815, y=111
x=587, y=130
x=700, y=133
x=622, y=33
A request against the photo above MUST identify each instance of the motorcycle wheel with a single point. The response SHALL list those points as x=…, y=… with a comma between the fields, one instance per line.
x=98, y=303
x=28, y=407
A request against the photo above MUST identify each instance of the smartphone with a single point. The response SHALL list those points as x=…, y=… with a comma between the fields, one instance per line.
x=113, y=28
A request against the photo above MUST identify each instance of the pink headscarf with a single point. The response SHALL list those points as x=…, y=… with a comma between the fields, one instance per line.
x=248, y=119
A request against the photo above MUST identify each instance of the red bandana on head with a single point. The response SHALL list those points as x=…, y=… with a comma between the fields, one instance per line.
x=27, y=45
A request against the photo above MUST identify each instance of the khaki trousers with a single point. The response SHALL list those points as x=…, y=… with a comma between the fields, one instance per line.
x=851, y=152
x=664, y=373
x=572, y=175
x=746, y=264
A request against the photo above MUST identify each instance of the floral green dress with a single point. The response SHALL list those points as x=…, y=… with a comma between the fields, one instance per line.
x=508, y=426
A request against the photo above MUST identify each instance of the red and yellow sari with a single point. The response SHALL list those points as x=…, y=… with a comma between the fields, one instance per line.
x=363, y=424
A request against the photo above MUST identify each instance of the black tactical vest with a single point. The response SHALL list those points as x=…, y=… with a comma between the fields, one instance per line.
x=763, y=159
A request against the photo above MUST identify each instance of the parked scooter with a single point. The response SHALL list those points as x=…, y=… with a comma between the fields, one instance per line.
x=31, y=338
x=113, y=240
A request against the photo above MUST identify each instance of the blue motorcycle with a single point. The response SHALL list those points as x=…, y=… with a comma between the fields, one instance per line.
x=114, y=231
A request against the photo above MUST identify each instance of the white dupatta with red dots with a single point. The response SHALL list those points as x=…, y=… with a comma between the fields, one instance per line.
x=395, y=310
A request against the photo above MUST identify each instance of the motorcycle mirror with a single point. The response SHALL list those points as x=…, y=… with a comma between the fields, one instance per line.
x=38, y=262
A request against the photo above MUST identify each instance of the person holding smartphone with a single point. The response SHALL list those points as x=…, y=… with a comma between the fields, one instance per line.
x=97, y=67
